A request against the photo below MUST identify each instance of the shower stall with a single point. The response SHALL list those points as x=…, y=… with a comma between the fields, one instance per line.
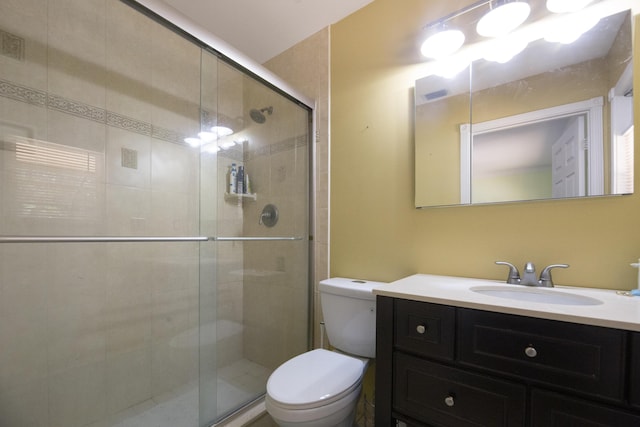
x=154, y=221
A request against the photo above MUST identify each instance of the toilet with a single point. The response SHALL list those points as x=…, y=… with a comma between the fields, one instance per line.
x=320, y=388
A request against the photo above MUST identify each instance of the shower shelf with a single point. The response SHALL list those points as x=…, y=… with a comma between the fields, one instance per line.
x=235, y=197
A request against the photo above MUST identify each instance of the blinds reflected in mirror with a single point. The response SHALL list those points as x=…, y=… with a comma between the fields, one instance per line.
x=623, y=172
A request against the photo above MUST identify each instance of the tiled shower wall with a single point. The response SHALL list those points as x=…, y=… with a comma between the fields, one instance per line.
x=88, y=330
x=307, y=67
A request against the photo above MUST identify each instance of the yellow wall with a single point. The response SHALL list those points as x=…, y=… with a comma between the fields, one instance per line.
x=377, y=234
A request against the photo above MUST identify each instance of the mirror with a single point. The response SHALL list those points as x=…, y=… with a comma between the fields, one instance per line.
x=555, y=121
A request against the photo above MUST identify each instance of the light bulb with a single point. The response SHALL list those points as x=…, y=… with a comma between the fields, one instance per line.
x=194, y=142
x=210, y=148
x=221, y=131
x=226, y=145
x=451, y=67
x=207, y=136
x=442, y=44
x=503, y=19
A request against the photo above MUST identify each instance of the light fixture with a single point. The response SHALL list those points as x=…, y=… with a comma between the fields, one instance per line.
x=221, y=131
x=206, y=137
x=210, y=148
x=442, y=44
x=566, y=22
x=451, y=67
x=503, y=18
x=226, y=145
x=564, y=6
x=194, y=142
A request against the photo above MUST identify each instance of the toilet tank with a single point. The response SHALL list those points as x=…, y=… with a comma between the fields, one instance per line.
x=349, y=311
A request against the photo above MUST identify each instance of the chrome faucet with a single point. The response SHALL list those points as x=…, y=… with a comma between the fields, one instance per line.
x=529, y=276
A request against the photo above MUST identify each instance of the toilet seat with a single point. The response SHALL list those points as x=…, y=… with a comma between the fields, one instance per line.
x=313, y=379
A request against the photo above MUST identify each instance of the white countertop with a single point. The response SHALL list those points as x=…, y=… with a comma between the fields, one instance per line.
x=616, y=311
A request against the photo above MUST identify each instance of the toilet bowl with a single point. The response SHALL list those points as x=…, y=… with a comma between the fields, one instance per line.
x=321, y=388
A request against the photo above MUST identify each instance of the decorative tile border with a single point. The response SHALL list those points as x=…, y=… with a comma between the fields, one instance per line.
x=127, y=123
x=302, y=140
x=23, y=93
x=233, y=154
x=167, y=135
x=77, y=109
x=286, y=145
x=43, y=99
x=299, y=141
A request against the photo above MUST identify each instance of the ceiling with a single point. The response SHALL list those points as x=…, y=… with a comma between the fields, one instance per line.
x=263, y=29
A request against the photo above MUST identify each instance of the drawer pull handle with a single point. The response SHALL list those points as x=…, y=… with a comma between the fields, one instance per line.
x=530, y=352
x=449, y=401
x=421, y=329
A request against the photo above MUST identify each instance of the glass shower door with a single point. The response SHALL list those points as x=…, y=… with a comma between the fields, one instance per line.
x=136, y=286
x=254, y=272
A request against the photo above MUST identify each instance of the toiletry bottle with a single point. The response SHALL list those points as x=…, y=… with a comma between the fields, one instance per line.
x=247, y=184
x=240, y=179
x=232, y=179
x=636, y=292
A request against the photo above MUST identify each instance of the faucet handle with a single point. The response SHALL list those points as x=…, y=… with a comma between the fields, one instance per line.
x=514, y=275
x=545, y=276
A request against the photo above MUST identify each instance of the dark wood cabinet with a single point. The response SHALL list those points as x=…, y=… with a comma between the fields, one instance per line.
x=439, y=365
x=448, y=396
x=425, y=329
x=568, y=355
x=634, y=391
x=554, y=409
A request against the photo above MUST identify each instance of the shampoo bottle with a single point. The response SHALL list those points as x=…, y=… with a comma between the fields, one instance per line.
x=240, y=180
x=232, y=179
x=247, y=183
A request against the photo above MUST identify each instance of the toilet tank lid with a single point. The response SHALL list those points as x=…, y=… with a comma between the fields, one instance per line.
x=355, y=288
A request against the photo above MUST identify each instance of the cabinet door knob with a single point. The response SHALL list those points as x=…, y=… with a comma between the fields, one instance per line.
x=421, y=329
x=449, y=401
x=530, y=352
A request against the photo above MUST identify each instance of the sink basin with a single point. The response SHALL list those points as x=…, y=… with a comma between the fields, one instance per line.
x=545, y=296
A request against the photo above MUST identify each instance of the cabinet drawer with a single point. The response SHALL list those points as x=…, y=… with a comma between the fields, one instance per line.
x=579, y=357
x=634, y=391
x=444, y=396
x=401, y=421
x=553, y=409
x=425, y=329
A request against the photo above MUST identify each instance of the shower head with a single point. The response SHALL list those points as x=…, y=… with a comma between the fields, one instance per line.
x=258, y=115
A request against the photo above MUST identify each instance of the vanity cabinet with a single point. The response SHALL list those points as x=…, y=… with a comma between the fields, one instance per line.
x=564, y=355
x=439, y=365
x=444, y=395
x=635, y=370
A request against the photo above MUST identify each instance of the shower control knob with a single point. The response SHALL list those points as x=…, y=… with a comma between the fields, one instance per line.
x=421, y=329
x=269, y=216
x=530, y=352
x=449, y=401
